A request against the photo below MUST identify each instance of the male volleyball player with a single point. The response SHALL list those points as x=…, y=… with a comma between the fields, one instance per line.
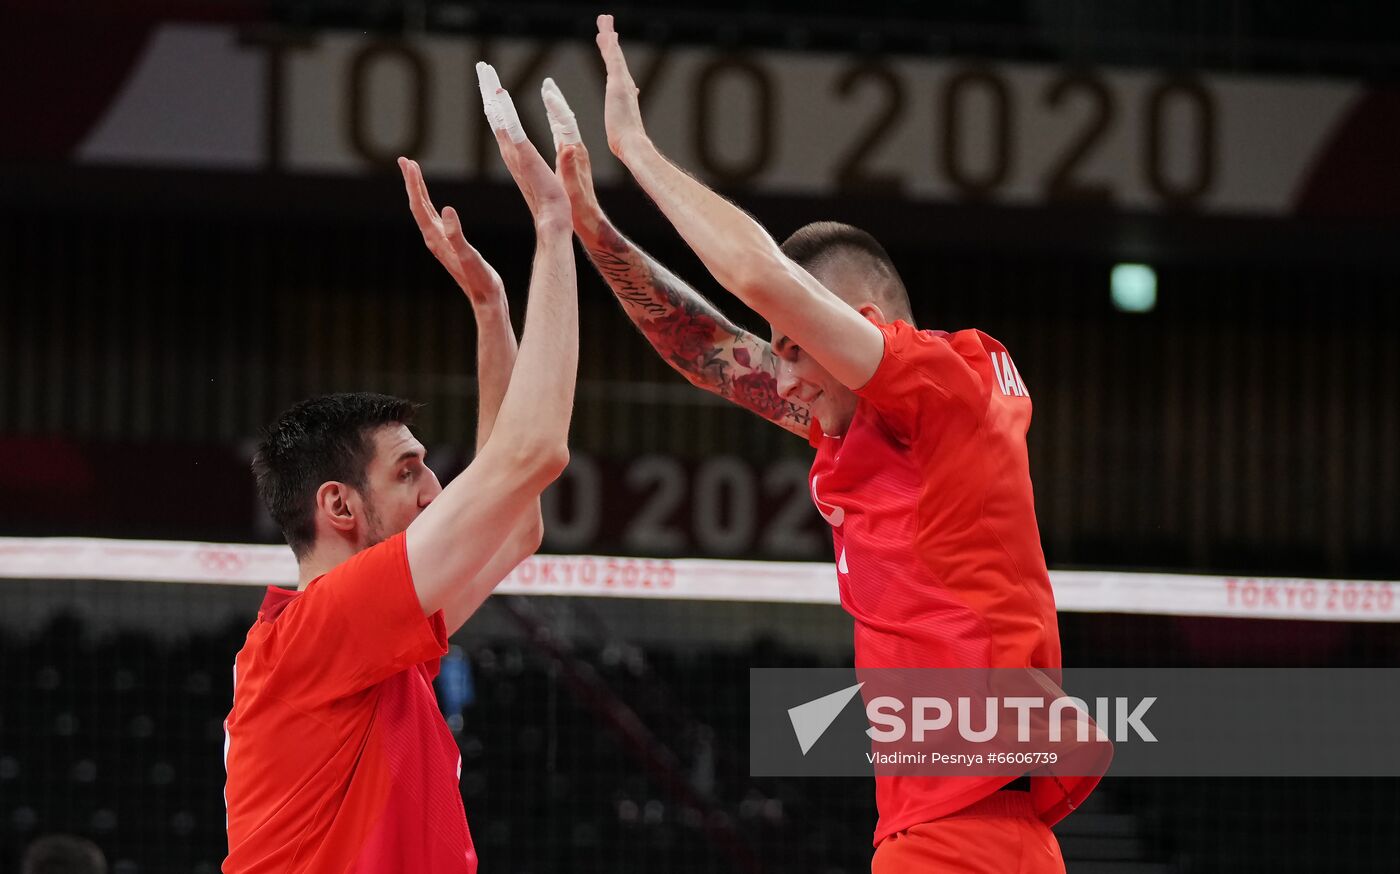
x=921, y=467
x=338, y=759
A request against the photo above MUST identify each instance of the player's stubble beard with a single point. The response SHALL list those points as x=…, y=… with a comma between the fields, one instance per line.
x=374, y=528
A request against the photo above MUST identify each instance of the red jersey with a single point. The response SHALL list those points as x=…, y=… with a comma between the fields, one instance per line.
x=938, y=558
x=338, y=758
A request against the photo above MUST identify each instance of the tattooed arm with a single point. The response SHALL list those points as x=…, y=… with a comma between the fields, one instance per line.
x=692, y=335
x=687, y=330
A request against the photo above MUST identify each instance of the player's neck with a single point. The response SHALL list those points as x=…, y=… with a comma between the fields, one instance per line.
x=840, y=422
x=321, y=560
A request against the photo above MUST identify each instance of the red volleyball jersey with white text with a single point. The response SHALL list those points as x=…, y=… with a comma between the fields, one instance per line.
x=338, y=758
x=938, y=557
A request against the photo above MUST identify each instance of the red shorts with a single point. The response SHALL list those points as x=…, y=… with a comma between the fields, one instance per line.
x=998, y=835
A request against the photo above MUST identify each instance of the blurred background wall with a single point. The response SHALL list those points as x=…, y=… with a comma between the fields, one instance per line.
x=201, y=223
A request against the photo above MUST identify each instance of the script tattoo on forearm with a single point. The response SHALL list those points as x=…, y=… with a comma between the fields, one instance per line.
x=622, y=276
x=692, y=335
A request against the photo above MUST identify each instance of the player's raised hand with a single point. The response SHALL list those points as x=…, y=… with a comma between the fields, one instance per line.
x=622, y=114
x=444, y=238
x=571, y=163
x=543, y=191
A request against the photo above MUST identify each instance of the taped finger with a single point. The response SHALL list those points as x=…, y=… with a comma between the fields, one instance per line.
x=562, y=123
x=495, y=100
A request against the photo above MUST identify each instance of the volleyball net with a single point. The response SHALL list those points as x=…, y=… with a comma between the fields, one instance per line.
x=1076, y=591
x=601, y=707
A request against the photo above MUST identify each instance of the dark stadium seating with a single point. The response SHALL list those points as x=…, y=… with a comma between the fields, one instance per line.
x=120, y=739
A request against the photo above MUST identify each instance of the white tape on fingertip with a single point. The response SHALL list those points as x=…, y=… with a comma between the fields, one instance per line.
x=495, y=100
x=562, y=122
x=489, y=83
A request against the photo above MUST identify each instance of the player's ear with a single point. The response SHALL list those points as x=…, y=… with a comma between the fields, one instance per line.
x=333, y=501
x=872, y=311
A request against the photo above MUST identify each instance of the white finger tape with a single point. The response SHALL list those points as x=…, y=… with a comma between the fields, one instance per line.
x=561, y=118
x=500, y=109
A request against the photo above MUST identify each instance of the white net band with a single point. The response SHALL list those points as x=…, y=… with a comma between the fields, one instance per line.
x=60, y=558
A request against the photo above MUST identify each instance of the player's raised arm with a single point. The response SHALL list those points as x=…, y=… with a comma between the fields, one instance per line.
x=738, y=252
x=452, y=542
x=686, y=330
x=479, y=281
x=496, y=349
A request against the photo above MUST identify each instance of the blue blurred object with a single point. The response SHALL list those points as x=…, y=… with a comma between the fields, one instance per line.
x=454, y=686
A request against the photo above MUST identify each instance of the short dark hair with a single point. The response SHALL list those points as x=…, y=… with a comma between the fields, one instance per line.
x=316, y=441
x=821, y=244
x=63, y=854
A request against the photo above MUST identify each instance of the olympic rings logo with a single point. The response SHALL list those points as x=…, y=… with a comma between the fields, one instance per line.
x=221, y=560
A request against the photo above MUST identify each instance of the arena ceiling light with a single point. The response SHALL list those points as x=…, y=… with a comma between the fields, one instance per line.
x=1133, y=288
